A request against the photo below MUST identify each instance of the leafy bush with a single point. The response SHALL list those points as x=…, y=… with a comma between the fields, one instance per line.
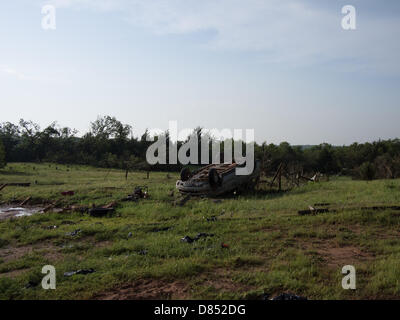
x=367, y=171
x=110, y=144
x=2, y=156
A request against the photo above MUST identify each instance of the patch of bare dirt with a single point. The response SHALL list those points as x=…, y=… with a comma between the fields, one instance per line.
x=227, y=285
x=335, y=256
x=102, y=244
x=149, y=289
x=341, y=256
x=10, y=252
x=153, y=289
x=221, y=280
x=53, y=255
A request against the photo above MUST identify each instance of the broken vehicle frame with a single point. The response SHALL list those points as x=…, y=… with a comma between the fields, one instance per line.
x=216, y=179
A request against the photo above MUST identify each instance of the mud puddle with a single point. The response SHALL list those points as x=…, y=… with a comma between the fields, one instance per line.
x=17, y=212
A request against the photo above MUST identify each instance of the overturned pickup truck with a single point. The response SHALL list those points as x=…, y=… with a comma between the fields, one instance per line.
x=216, y=179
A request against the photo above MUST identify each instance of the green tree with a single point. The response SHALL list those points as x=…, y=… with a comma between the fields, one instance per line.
x=367, y=171
x=2, y=155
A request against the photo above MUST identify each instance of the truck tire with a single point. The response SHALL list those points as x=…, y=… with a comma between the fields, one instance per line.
x=185, y=174
x=214, y=178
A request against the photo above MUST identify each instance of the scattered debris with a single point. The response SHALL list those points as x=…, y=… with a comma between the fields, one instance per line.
x=130, y=234
x=67, y=246
x=312, y=210
x=18, y=184
x=48, y=207
x=161, y=229
x=211, y=219
x=216, y=179
x=68, y=193
x=2, y=186
x=3, y=242
x=10, y=212
x=81, y=271
x=67, y=222
x=81, y=209
x=143, y=252
x=25, y=201
x=224, y=246
x=378, y=208
x=315, y=177
x=110, y=205
x=287, y=297
x=199, y=236
x=49, y=227
x=31, y=284
x=187, y=239
x=265, y=296
x=183, y=201
x=99, y=212
x=203, y=235
x=140, y=192
x=74, y=233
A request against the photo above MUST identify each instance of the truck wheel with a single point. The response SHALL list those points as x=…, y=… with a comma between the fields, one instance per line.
x=185, y=174
x=213, y=178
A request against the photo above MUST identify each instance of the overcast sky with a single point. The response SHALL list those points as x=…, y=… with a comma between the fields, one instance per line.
x=284, y=68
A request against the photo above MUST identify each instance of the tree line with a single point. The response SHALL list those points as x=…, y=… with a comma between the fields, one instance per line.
x=110, y=144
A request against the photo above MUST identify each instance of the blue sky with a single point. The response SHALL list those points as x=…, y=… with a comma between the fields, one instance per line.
x=283, y=68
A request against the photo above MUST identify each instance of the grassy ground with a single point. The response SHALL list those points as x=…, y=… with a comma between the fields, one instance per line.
x=271, y=249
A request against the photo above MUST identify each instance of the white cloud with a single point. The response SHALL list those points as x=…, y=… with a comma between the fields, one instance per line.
x=105, y=5
x=288, y=32
x=14, y=73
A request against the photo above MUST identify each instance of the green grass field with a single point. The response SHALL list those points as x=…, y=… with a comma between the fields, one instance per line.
x=271, y=249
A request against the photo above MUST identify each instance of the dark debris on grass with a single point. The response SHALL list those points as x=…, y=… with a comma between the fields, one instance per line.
x=188, y=239
x=80, y=271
